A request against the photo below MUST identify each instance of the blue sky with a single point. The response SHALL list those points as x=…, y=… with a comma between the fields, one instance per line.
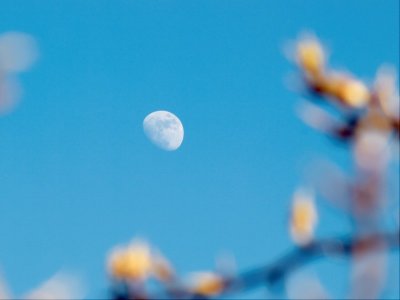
x=77, y=174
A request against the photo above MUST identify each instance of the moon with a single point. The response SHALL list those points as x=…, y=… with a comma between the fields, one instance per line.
x=164, y=130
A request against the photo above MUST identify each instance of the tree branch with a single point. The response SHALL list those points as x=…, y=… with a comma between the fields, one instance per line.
x=274, y=274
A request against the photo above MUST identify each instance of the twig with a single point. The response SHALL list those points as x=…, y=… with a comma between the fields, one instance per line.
x=274, y=274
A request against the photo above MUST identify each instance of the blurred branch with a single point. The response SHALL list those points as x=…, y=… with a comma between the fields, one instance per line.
x=275, y=273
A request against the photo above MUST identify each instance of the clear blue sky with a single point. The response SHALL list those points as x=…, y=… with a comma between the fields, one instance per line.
x=77, y=174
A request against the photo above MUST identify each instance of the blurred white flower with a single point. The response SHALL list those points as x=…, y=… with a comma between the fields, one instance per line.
x=369, y=275
x=60, y=286
x=10, y=93
x=4, y=292
x=304, y=217
x=18, y=51
x=305, y=286
x=386, y=90
x=372, y=150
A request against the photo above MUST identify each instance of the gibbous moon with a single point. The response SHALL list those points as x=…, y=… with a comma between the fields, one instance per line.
x=164, y=130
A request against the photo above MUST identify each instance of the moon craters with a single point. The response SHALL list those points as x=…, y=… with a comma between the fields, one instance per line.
x=164, y=130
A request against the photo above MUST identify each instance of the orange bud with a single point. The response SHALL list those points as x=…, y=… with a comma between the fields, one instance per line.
x=310, y=56
x=131, y=263
x=354, y=93
x=208, y=284
x=349, y=91
x=304, y=217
